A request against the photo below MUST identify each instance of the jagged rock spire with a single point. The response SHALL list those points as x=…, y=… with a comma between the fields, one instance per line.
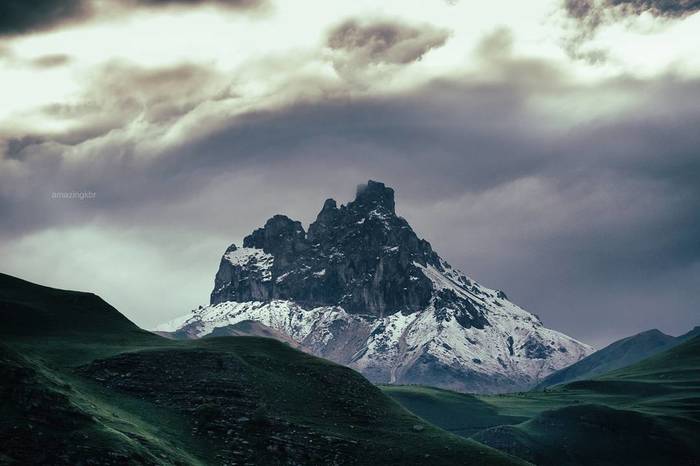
x=360, y=256
x=374, y=194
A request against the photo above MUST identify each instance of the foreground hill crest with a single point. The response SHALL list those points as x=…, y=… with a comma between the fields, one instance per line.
x=361, y=288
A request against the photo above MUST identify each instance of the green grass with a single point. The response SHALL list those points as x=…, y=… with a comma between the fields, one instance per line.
x=458, y=413
x=647, y=413
x=45, y=413
x=82, y=384
x=594, y=434
x=79, y=383
x=619, y=354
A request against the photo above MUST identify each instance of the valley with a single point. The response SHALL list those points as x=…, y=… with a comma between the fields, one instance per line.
x=646, y=414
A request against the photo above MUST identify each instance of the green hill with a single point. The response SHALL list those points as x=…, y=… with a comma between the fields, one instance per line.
x=619, y=354
x=459, y=413
x=679, y=365
x=644, y=414
x=81, y=384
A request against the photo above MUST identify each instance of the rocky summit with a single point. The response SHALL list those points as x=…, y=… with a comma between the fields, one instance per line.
x=362, y=289
x=361, y=256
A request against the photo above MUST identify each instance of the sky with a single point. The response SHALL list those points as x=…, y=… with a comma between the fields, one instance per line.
x=549, y=148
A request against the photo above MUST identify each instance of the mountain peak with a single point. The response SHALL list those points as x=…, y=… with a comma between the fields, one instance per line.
x=362, y=288
x=360, y=256
x=280, y=234
x=375, y=194
x=329, y=204
x=653, y=331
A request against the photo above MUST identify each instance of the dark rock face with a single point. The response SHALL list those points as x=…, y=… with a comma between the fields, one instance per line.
x=282, y=237
x=360, y=256
x=463, y=310
x=536, y=350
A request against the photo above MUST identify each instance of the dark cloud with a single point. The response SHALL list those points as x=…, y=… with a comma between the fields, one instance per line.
x=590, y=15
x=22, y=16
x=15, y=146
x=386, y=42
x=594, y=12
x=591, y=221
x=156, y=95
x=19, y=16
x=358, y=45
x=243, y=4
x=579, y=9
x=669, y=8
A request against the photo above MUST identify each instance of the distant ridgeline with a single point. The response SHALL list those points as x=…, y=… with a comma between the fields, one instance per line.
x=619, y=354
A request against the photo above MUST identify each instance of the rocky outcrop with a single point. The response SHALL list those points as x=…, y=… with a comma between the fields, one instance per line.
x=361, y=256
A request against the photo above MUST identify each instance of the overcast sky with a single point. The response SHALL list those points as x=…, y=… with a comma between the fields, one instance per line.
x=548, y=148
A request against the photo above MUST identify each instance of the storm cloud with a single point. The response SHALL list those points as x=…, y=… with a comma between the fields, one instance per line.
x=594, y=12
x=579, y=197
x=590, y=15
x=20, y=16
x=357, y=46
x=575, y=217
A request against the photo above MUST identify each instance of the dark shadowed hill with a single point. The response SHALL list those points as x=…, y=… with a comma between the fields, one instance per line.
x=81, y=384
x=29, y=310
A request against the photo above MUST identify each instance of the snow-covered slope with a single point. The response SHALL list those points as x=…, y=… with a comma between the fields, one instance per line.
x=362, y=290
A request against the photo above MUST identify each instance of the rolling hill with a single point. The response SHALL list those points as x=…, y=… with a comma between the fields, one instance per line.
x=621, y=353
x=644, y=414
x=81, y=384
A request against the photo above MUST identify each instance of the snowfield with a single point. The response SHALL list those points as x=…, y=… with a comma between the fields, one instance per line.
x=514, y=347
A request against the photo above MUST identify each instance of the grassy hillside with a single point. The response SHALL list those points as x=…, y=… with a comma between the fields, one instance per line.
x=617, y=355
x=647, y=414
x=80, y=384
x=459, y=413
x=675, y=368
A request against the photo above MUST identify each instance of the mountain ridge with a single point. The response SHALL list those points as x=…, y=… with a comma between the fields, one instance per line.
x=617, y=355
x=362, y=289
